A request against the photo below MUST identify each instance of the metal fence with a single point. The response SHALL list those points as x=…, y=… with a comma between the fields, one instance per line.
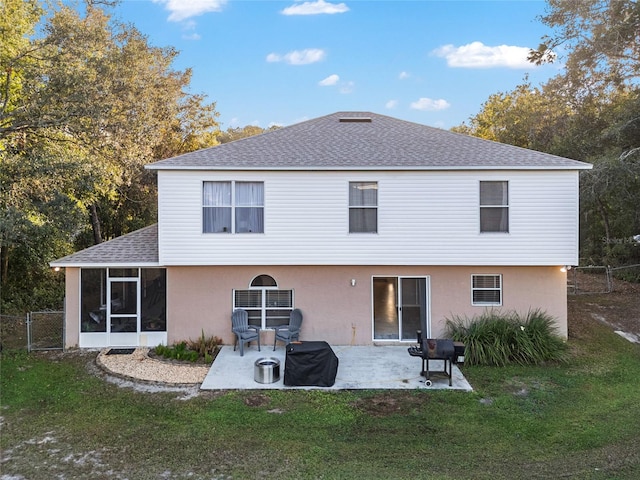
x=589, y=279
x=33, y=331
x=600, y=279
x=628, y=272
x=45, y=331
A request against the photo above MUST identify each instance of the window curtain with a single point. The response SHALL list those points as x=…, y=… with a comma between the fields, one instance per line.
x=494, y=206
x=216, y=213
x=363, y=202
x=249, y=207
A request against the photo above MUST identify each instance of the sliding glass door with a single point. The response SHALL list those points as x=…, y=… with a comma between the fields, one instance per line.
x=400, y=307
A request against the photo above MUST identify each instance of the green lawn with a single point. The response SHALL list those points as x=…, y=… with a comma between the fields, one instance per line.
x=579, y=420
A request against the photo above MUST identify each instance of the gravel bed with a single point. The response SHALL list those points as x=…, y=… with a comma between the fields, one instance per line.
x=140, y=366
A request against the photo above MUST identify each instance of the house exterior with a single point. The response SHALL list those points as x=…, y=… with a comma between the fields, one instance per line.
x=374, y=227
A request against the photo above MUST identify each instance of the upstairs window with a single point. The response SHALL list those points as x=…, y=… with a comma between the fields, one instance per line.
x=363, y=207
x=486, y=290
x=233, y=207
x=494, y=206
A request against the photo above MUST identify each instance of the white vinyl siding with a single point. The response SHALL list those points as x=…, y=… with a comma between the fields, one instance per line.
x=424, y=218
x=486, y=290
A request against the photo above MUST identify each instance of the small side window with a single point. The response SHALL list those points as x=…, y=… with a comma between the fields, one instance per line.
x=486, y=290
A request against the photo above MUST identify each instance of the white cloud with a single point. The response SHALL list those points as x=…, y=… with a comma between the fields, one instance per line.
x=403, y=75
x=315, y=8
x=479, y=55
x=298, y=57
x=329, y=81
x=429, y=104
x=391, y=104
x=183, y=9
x=191, y=36
x=347, y=87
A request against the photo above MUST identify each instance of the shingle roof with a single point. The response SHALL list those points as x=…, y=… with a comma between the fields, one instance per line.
x=347, y=140
x=136, y=248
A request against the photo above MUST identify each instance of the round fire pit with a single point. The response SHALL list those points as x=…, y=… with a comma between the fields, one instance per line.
x=266, y=370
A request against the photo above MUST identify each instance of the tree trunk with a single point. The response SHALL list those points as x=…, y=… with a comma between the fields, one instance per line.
x=605, y=220
x=4, y=264
x=95, y=224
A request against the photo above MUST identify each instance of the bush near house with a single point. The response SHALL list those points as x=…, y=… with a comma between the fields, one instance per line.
x=202, y=349
x=502, y=338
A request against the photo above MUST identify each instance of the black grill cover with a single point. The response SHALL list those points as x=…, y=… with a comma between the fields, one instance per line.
x=310, y=364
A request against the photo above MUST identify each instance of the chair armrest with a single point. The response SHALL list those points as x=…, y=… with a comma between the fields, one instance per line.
x=254, y=327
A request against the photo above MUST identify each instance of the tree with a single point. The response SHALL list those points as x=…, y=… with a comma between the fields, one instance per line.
x=527, y=117
x=18, y=20
x=610, y=193
x=232, y=134
x=85, y=104
x=601, y=38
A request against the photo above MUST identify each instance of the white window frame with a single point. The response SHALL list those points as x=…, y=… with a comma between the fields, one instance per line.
x=486, y=289
x=233, y=207
x=501, y=206
x=264, y=308
x=364, y=206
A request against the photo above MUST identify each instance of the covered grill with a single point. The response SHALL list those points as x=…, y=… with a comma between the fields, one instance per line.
x=310, y=364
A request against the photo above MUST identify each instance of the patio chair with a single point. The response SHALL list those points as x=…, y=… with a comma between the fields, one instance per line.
x=288, y=333
x=244, y=332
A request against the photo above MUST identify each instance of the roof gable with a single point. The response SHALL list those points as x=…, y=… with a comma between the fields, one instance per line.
x=363, y=141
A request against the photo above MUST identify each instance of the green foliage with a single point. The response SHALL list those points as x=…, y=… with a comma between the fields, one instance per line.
x=205, y=345
x=599, y=39
x=232, y=134
x=498, y=338
x=204, y=348
x=85, y=103
x=179, y=351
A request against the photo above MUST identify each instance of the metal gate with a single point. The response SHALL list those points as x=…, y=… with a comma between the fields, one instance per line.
x=45, y=331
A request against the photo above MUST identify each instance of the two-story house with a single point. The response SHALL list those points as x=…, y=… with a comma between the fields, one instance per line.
x=374, y=227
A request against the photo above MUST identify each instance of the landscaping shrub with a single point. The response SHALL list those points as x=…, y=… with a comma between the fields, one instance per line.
x=205, y=346
x=501, y=338
x=192, y=350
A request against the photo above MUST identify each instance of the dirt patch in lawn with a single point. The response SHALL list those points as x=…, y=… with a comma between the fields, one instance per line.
x=619, y=309
x=389, y=402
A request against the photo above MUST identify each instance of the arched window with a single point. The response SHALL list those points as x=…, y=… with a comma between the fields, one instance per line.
x=264, y=281
x=267, y=305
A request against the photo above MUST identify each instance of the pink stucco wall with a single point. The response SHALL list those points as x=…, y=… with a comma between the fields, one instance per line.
x=200, y=298
x=72, y=307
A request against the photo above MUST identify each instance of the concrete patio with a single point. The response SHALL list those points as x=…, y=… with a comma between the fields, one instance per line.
x=367, y=367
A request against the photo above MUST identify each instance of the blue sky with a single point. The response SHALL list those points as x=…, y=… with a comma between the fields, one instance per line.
x=281, y=62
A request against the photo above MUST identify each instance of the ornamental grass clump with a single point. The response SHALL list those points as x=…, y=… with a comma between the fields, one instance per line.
x=502, y=338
